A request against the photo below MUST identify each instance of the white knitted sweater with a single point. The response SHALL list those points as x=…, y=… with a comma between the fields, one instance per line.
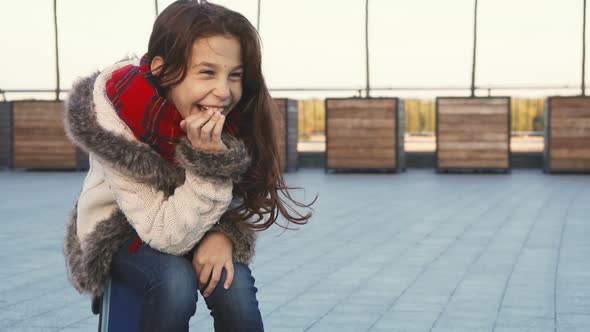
x=171, y=224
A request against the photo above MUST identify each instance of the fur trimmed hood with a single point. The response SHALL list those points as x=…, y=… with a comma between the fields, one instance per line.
x=89, y=268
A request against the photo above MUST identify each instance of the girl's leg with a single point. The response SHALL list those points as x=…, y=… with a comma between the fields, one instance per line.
x=168, y=284
x=236, y=308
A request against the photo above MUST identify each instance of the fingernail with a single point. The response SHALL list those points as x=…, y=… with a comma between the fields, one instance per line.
x=226, y=286
x=206, y=294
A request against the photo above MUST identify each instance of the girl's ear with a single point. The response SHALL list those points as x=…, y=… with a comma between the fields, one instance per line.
x=156, y=65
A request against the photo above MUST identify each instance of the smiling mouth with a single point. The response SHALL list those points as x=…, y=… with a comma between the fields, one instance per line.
x=223, y=110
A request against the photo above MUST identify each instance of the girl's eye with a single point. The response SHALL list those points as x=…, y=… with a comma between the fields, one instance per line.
x=236, y=75
x=207, y=72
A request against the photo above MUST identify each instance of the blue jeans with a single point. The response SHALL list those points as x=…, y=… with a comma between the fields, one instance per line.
x=169, y=286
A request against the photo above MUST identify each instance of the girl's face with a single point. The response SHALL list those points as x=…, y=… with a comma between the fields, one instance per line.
x=213, y=79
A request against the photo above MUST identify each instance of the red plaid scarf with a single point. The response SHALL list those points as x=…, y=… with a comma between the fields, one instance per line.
x=142, y=105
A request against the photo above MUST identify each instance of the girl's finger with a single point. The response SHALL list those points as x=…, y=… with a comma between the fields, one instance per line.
x=215, y=276
x=204, y=276
x=216, y=135
x=198, y=268
x=208, y=127
x=195, y=122
x=229, y=268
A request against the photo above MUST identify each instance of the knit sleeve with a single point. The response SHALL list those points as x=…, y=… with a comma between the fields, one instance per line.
x=171, y=224
x=228, y=164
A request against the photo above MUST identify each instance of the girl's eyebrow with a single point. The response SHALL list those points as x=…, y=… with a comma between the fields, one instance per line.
x=215, y=66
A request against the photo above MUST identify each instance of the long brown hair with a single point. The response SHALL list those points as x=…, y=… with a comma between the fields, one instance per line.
x=173, y=34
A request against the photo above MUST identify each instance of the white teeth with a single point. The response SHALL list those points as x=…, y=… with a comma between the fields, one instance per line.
x=214, y=109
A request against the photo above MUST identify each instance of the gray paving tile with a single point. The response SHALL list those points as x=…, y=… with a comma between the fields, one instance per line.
x=406, y=321
x=573, y=323
x=24, y=328
x=6, y=323
x=293, y=320
x=459, y=329
x=60, y=317
x=466, y=320
x=525, y=323
x=390, y=250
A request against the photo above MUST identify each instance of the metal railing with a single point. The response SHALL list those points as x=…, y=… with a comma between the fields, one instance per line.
x=359, y=91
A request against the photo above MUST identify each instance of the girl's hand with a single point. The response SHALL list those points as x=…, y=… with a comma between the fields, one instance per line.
x=213, y=254
x=203, y=130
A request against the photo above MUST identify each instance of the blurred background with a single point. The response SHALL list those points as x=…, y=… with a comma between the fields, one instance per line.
x=413, y=49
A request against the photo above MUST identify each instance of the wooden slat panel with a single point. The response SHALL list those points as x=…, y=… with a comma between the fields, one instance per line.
x=569, y=122
x=360, y=163
x=581, y=143
x=361, y=133
x=361, y=103
x=472, y=136
x=498, y=119
x=442, y=146
x=353, y=133
x=473, y=132
x=474, y=154
x=495, y=110
x=569, y=102
x=378, y=113
x=44, y=163
x=569, y=133
x=360, y=123
x=337, y=142
x=579, y=114
x=570, y=153
x=483, y=106
x=568, y=164
x=39, y=136
x=464, y=102
x=374, y=153
x=444, y=129
x=473, y=163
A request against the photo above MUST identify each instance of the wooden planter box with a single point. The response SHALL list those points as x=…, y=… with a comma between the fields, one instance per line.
x=473, y=134
x=287, y=132
x=6, y=135
x=365, y=134
x=567, y=135
x=39, y=139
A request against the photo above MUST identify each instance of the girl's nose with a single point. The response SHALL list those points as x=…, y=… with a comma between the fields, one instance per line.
x=222, y=90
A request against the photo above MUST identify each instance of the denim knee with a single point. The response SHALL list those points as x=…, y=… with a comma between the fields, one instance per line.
x=175, y=290
x=236, y=308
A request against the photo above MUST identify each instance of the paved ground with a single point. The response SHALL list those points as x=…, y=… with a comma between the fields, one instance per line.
x=411, y=252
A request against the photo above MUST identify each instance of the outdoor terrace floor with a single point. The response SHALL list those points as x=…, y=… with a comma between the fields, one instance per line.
x=417, y=251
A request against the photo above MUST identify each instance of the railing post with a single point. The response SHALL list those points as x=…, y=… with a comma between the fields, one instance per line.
x=474, y=50
x=584, y=51
x=57, y=89
x=368, y=87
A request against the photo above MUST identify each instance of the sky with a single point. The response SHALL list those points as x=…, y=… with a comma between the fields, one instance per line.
x=320, y=43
